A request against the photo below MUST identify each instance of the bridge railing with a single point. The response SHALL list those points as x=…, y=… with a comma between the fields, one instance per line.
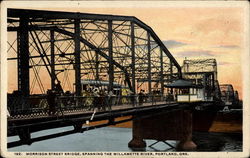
x=104, y=103
x=60, y=105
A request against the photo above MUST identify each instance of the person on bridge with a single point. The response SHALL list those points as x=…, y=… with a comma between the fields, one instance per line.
x=111, y=99
x=59, y=88
x=103, y=99
x=141, y=97
x=132, y=98
x=51, y=97
x=96, y=98
x=169, y=97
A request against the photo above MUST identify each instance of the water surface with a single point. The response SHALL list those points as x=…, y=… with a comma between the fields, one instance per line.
x=114, y=139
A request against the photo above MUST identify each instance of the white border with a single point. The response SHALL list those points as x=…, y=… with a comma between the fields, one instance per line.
x=128, y=4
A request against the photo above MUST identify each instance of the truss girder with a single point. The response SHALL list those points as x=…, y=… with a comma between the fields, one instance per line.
x=131, y=46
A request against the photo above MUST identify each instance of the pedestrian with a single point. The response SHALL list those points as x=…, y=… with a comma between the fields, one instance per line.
x=96, y=98
x=51, y=96
x=110, y=99
x=141, y=97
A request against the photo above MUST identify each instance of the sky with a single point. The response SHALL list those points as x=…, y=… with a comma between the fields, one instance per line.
x=194, y=33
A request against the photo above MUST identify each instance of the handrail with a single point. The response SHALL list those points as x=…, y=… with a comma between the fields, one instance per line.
x=41, y=105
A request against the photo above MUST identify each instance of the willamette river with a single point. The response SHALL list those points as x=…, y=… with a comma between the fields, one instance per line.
x=116, y=139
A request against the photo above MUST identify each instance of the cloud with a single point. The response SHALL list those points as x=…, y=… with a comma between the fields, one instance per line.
x=225, y=63
x=173, y=43
x=195, y=53
x=227, y=46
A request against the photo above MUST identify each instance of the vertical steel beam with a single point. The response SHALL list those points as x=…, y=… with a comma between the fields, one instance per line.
x=161, y=72
x=18, y=62
x=133, y=55
x=171, y=75
x=97, y=66
x=179, y=72
x=77, y=65
x=23, y=62
x=149, y=65
x=213, y=81
x=111, y=65
x=204, y=79
x=171, y=70
x=215, y=70
x=52, y=58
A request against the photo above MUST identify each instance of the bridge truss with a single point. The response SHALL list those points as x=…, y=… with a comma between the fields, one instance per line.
x=203, y=72
x=66, y=47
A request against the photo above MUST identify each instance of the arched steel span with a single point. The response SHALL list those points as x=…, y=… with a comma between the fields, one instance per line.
x=74, y=46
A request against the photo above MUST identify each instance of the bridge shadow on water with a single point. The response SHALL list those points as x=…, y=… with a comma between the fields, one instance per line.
x=218, y=141
x=206, y=142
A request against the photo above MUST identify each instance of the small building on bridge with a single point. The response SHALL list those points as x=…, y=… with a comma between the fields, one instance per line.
x=186, y=91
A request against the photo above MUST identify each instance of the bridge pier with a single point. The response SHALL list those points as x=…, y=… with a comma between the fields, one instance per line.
x=25, y=136
x=186, y=142
x=175, y=125
x=137, y=132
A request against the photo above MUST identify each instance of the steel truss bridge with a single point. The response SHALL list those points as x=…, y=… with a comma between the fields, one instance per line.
x=53, y=52
x=203, y=72
x=66, y=47
x=117, y=48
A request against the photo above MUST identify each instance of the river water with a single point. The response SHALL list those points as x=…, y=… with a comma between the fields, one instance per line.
x=108, y=139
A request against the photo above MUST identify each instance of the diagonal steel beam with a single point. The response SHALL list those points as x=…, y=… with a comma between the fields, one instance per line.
x=46, y=15
x=98, y=51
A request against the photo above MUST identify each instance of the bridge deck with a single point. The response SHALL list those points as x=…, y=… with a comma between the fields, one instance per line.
x=24, y=126
x=37, y=123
